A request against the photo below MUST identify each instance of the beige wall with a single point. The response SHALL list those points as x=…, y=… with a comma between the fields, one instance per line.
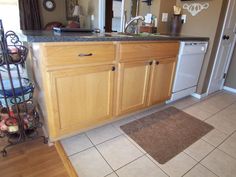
x=231, y=77
x=128, y=4
x=154, y=8
x=166, y=6
x=157, y=8
x=204, y=25
x=56, y=15
x=89, y=7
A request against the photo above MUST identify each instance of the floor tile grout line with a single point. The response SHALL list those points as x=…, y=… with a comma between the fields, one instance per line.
x=135, y=144
x=145, y=154
x=204, y=99
x=124, y=135
x=121, y=166
x=209, y=142
x=226, y=153
x=108, y=174
x=224, y=142
x=107, y=140
x=80, y=151
x=215, y=147
x=94, y=144
x=100, y=154
x=198, y=162
x=220, y=111
x=115, y=171
x=198, y=102
x=111, y=174
x=207, y=97
x=208, y=155
x=185, y=107
x=130, y=162
x=201, y=100
x=156, y=164
x=227, y=135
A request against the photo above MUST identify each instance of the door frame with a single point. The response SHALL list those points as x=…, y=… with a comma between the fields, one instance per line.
x=218, y=50
x=102, y=16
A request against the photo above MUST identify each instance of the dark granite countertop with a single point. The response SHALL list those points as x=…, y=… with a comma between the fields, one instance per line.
x=50, y=36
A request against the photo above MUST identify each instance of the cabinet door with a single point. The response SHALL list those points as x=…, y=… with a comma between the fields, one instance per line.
x=133, y=83
x=162, y=76
x=82, y=97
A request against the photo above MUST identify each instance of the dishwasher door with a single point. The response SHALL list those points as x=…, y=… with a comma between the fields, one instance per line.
x=188, y=71
x=189, y=65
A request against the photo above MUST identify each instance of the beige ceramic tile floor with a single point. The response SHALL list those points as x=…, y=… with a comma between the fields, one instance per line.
x=108, y=152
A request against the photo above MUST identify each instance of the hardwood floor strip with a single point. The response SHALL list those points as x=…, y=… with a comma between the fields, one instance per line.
x=70, y=169
x=31, y=159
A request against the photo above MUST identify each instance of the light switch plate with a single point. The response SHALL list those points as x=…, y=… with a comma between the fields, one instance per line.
x=184, y=18
x=164, y=17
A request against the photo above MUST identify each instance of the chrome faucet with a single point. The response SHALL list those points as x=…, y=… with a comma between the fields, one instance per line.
x=137, y=18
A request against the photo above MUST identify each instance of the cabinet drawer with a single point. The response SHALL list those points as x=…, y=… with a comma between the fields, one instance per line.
x=78, y=54
x=129, y=52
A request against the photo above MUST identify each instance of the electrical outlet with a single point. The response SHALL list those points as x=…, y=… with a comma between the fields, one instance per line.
x=184, y=18
x=164, y=17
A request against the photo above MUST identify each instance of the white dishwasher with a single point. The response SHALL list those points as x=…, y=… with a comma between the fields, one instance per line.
x=190, y=60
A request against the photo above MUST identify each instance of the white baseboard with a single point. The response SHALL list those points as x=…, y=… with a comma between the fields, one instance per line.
x=233, y=90
x=198, y=96
x=46, y=135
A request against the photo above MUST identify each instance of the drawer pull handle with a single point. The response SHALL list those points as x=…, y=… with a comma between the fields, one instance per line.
x=157, y=62
x=85, y=54
x=113, y=68
x=150, y=63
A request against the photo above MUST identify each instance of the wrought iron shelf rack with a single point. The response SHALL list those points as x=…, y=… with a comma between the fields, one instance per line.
x=19, y=119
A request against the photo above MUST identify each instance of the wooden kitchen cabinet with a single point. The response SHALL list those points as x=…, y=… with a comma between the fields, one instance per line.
x=162, y=76
x=81, y=97
x=133, y=80
x=79, y=53
x=85, y=84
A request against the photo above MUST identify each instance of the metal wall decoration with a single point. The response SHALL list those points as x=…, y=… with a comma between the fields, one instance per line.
x=195, y=8
x=19, y=119
x=70, y=5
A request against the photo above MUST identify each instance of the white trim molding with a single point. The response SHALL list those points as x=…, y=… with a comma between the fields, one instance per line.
x=199, y=96
x=230, y=89
x=101, y=14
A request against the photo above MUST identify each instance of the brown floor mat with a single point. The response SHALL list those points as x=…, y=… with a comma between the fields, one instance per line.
x=166, y=133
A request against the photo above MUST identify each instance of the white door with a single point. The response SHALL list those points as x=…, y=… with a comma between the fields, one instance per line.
x=225, y=50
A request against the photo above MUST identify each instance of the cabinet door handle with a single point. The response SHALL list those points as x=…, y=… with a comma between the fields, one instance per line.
x=150, y=63
x=113, y=68
x=225, y=37
x=85, y=54
x=157, y=62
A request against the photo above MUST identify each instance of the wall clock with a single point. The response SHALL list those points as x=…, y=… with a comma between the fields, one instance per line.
x=49, y=5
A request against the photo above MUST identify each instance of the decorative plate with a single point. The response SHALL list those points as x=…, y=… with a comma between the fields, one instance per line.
x=49, y=5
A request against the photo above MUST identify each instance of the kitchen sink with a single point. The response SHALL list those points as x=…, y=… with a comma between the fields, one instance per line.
x=118, y=35
x=109, y=35
x=122, y=35
x=151, y=35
